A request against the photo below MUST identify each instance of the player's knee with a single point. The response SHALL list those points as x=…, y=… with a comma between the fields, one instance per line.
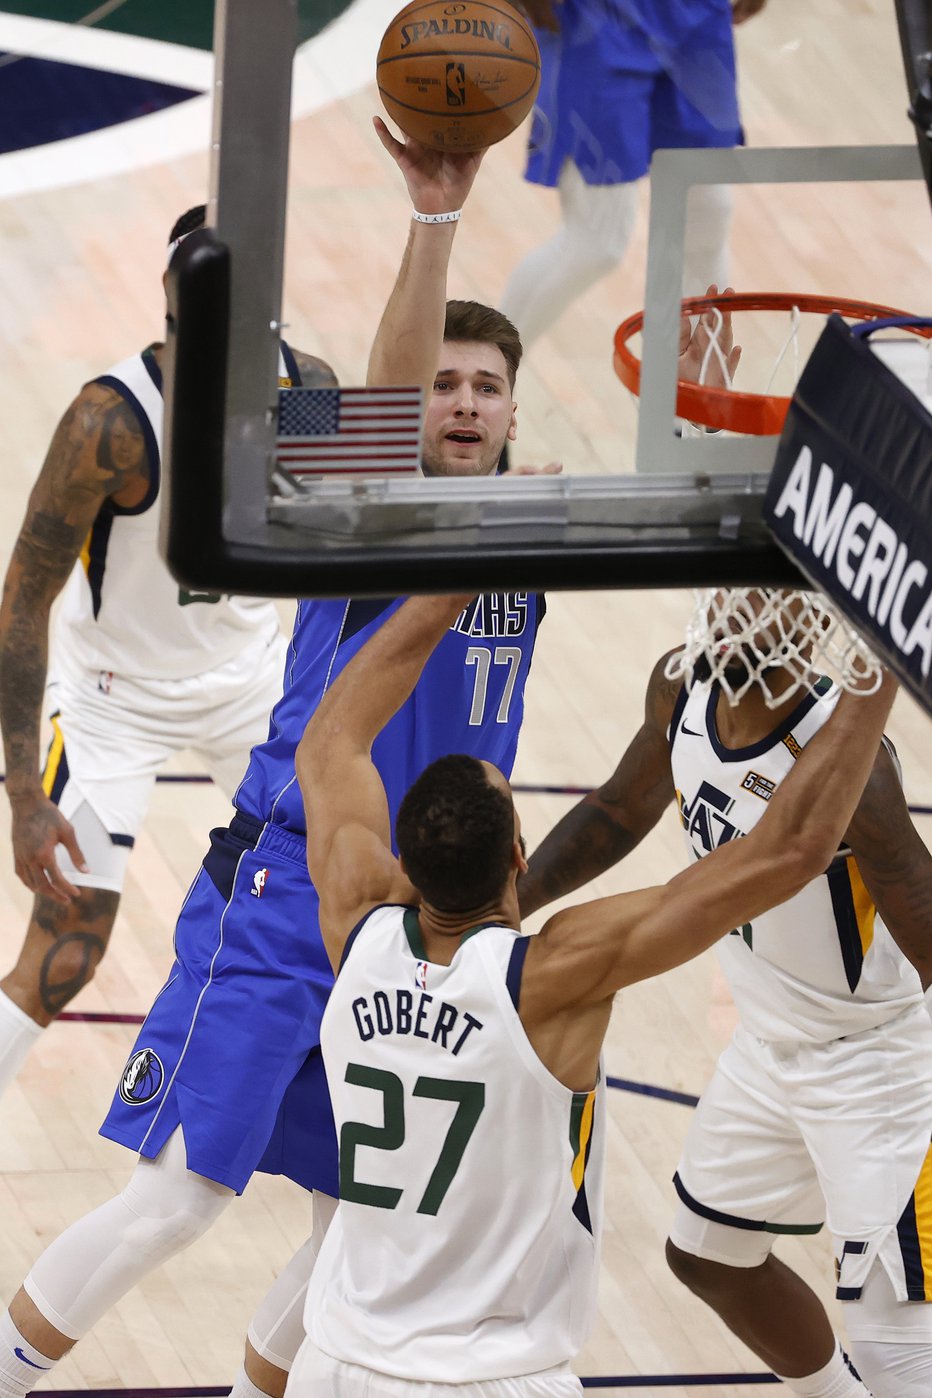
x=172, y=1206
x=710, y=1281
x=153, y=1240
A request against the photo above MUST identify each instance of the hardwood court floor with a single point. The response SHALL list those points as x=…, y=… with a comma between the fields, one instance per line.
x=80, y=289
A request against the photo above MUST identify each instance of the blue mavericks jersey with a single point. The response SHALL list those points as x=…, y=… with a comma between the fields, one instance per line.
x=470, y=698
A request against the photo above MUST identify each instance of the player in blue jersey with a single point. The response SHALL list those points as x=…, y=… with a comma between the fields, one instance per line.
x=619, y=80
x=230, y=1050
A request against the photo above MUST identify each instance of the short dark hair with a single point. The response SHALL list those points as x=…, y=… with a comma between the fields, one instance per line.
x=455, y=832
x=193, y=218
x=470, y=320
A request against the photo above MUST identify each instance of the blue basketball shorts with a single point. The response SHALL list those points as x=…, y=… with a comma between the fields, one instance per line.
x=230, y=1050
x=608, y=111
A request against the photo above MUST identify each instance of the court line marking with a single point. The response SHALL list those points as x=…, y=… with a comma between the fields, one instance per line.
x=130, y=54
x=333, y=65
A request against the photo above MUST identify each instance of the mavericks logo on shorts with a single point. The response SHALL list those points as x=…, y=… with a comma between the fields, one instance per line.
x=142, y=1078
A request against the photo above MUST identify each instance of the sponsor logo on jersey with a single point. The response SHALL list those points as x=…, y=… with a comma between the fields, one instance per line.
x=495, y=614
x=759, y=786
x=259, y=880
x=870, y=561
x=792, y=746
x=420, y=975
x=705, y=819
x=142, y=1078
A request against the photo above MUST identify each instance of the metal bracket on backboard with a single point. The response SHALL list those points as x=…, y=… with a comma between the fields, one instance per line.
x=247, y=204
x=673, y=174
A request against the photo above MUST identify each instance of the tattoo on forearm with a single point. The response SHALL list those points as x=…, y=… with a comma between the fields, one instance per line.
x=589, y=844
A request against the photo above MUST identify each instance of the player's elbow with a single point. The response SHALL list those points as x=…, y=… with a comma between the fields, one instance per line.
x=310, y=761
x=804, y=856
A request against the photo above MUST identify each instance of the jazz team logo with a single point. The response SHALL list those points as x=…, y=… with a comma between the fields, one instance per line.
x=142, y=1078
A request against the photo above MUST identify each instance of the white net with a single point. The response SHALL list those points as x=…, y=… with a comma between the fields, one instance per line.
x=781, y=639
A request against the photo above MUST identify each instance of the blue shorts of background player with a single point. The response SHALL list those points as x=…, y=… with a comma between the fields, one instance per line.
x=623, y=79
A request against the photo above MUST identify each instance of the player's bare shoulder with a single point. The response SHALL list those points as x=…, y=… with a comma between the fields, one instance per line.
x=98, y=451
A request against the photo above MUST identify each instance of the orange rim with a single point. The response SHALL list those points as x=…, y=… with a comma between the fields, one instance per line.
x=725, y=409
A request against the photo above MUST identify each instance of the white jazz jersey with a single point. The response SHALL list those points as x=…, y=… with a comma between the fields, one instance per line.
x=821, y=965
x=465, y=1247
x=122, y=611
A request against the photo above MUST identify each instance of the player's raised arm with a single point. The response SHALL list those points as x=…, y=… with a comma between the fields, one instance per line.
x=349, y=851
x=611, y=821
x=98, y=451
x=596, y=948
x=407, y=345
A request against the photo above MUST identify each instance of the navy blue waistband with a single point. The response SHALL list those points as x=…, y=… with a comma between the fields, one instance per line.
x=258, y=834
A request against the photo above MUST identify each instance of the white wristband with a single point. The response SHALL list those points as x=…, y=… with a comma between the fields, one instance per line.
x=436, y=218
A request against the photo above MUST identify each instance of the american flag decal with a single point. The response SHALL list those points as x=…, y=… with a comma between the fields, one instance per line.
x=349, y=431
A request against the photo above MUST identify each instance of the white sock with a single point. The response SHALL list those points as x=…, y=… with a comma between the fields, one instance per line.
x=837, y=1380
x=18, y=1033
x=597, y=224
x=21, y=1366
x=243, y=1386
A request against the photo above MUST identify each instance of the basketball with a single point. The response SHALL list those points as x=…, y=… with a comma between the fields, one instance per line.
x=459, y=75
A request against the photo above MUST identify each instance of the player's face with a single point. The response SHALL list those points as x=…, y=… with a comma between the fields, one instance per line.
x=761, y=626
x=470, y=413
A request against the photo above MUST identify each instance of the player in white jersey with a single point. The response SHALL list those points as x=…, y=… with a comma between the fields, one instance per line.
x=820, y=1108
x=463, y=1058
x=139, y=669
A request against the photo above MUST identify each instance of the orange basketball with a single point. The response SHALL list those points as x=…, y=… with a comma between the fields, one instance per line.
x=460, y=75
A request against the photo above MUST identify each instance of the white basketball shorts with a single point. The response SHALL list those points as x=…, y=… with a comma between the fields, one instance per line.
x=788, y=1136
x=112, y=734
x=315, y=1375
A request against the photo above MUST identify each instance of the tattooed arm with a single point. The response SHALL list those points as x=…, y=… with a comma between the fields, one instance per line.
x=608, y=823
x=895, y=864
x=97, y=452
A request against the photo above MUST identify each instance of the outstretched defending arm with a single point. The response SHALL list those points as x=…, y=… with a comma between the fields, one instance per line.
x=611, y=821
x=349, y=853
x=599, y=947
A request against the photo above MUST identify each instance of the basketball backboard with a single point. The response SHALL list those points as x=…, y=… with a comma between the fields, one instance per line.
x=691, y=514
